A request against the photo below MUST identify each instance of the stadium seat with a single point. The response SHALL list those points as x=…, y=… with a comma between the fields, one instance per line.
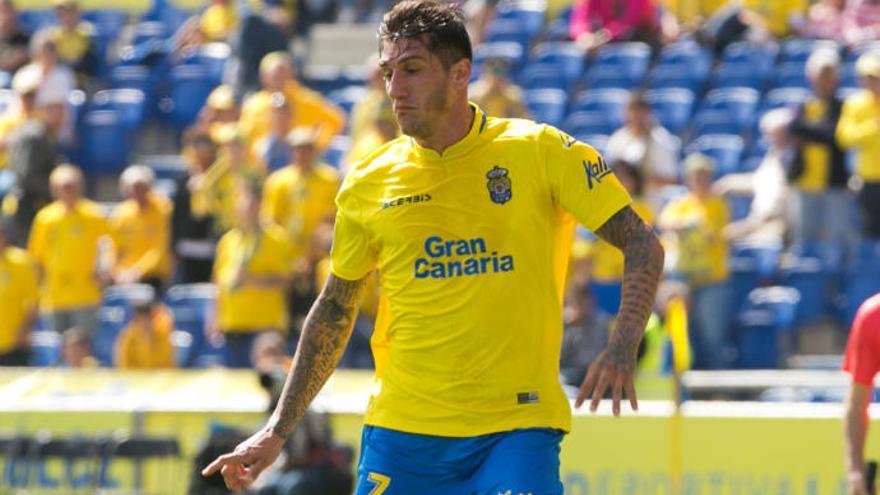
x=790, y=75
x=558, y=28
x=543, y=75
x=190, y=86
x=529, y=15
x=784, y=97
x=35, y=20
x=130, y=103
x=737, y=75
x=45, y=348
x=607, y=77
x=758, y=57
x=807, y=275
x=725, y=149
x=347, y=97
x=513, y=53
x=324, y=78
x=547, y=105
x=192, y=306
x=113, y=315
x=796, y=50
x=108, y=23
x=213, y=57
x=676, y=75
x=105, y=142
x=763, y=328
x=598, y=141
x=630, y=60
x=337, y=150
x=567, y=56
x=690, y=54
x=740, y=103
x=610, y=102
x=672, y=107
x=588, y=122
x=508, y=30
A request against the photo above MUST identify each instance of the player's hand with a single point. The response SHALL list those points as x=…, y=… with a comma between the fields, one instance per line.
x=615, y=368
x=242, y=467
x=857, y=485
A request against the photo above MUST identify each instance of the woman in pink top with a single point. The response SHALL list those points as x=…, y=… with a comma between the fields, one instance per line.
x=596, y=22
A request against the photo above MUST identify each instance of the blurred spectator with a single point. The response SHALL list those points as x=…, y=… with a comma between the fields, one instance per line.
x=14, y=40
x=735, y=21
x=861, y=21
x=33, y=154
x=597, y=22
x=690, y=14
x=647, y=145
x=698, y=251
x=273, y=149
x=364, y=110
x=57, y=81
x=825, y=20
x=258, y=36
x=779, y=16
x=141, y=229
x=192, y=230
x=73, y=39
x=19, y=111
x=495, y=94
x=301, y=195
x=382, y=129
x=65, y=242
x=76, y=349
x=18, y=302
x=145, y=343
x=859, y=130
x=218, y=21
x=251, y=272
x=310, y=108
x=270, y=359
x=766, y=221
x=220, y=109
x=820, y=200
x=584, y=335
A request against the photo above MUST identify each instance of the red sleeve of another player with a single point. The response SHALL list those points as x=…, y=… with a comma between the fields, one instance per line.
x=862, y=359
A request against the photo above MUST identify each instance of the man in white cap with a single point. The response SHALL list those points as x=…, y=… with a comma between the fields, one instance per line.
x=859, y=130
x=820, y=199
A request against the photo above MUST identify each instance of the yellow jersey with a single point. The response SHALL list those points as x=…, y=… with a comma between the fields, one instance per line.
x=65, y=246
x=72, y=44
x=607, y=260
x=310, y=109
x=859, y=127
x=699, y=243
x=137, y=348
x=265, y=253
x=297, y=201
x=815, y=155
x=142, y=237
x=18, y=294
x=9, y=121
x=217, y=22
x=472, y=248
x=778, y=14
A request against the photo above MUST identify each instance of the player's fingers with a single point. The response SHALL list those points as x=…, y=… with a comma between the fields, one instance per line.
x=616, y=394
x=599, y=390
x=221, y=461
x=231, y=476
x=586, y=386
x=631, y=393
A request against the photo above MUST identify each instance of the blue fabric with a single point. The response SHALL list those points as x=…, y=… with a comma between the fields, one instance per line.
x=519, y=461
x=237, y=352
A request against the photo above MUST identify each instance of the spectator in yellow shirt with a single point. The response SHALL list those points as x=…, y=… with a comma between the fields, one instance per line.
x=273, y=150
x=251, y=271
x=496, y=94
x=365, y=109
x=859, y=130
x=382, y=128
x=73, y=38
x=302, y=194
x=66, y=241
x=18, y=302
x=310, y=108
x=76, y=349
x=221, y=109
x=218, y=21
x=141, y=228
x=24, y=107
x=145, y=343
x=693, y=226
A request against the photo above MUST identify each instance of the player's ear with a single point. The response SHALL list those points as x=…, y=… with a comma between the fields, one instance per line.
x=460, y=73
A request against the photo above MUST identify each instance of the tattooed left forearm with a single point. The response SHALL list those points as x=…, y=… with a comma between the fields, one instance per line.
x=643, y=264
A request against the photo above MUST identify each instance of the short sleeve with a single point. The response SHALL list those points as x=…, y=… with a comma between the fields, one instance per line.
x=862, y=360
x=352, y=255
x=580, y=181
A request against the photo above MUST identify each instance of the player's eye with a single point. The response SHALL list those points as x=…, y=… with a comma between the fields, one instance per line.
x=386, y=74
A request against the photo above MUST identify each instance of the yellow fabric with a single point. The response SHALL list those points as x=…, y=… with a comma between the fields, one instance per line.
x=859, y=128
x=18, y=294
x=508, y=103
x=816, y=156
x=218, y=190
x=142, y=238
x=265, y=253
x=309, y=109
x=363, y=113
x=607, y=260
x=472, y=249
x=701, y=247
x=299, y=202
x=8, y=123
x=140, y=348
x=368, y=142
x=65, y=247
x=72, y=44
x=218, y=21
x=778, y=13
x=690, y=11
x=677, y=323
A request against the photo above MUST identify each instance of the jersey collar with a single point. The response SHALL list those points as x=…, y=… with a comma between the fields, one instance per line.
x=461, y=147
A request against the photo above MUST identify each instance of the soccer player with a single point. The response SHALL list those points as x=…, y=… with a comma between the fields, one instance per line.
x=862, y=361
x=469, y=220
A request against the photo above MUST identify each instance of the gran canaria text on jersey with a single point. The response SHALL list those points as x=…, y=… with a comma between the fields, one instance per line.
x=459, y=258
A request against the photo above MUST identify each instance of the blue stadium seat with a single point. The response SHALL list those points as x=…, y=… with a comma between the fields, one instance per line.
x=714, y=122
x=213, y=57
x=672, y=107
x=725, y=149
x=676, y=75
x=598, y=141
x=588, y=122
x=114, y=314
x=798, y=50
x=324, y=78
x=609, y=101
x=189, y=89
x=807, y=275
x=192, y=306
x=34, y=20
x=346, y=98
x=763, y=330
x=630, y=60
x=758, y=57
x=547, y=105
x=790, y=75
x=130, y=103
x=690, y=54
x=607, y=77
x=105, y=142
x=45, y=348
x=337, y=150
x=738, y=75
x=108, y=23
x=740, y=103
x=784, y=97
x=543, y=75
x=529, y=16
x=508, y=30
x=513, y=53
x=558, y=27
x=567, y=56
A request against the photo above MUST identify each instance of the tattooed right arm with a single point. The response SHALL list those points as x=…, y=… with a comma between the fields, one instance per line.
x=325, y=333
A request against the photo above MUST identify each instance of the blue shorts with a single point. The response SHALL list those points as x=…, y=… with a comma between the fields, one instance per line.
x=508, y=463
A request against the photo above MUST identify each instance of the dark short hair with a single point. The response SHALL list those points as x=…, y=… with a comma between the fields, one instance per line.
x=441, y=26
x=638, y=100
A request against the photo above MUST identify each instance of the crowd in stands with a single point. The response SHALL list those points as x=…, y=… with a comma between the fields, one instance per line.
x=747, y=133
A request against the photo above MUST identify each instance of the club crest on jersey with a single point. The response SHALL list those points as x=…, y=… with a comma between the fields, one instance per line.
x=498, y=185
